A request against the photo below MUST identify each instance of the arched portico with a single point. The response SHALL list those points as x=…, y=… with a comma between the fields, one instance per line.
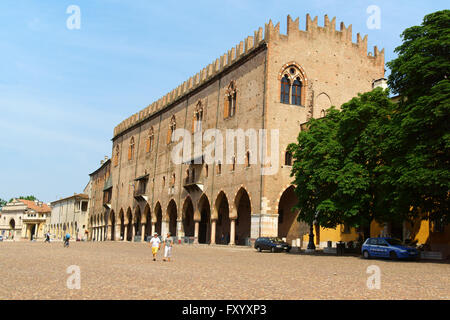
x=112, y=223
x=223, y=221
x=188, y=218
x=158, y=215
x=148, y=222
x=122, y=225
x=172, y=215
x=137, y=231
x=129, y=229
x=288, y=226
x=204, y=228
x=243, y=217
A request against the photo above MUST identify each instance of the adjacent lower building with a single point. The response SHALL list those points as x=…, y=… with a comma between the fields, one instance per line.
x=70, y=215
x=24, y=219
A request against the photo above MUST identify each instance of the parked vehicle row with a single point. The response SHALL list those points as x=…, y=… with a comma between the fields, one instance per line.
x=372, y=248
x=388, y=248
x=272, y=244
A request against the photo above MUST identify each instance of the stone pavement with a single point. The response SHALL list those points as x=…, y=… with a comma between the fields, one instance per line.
x=126, y=271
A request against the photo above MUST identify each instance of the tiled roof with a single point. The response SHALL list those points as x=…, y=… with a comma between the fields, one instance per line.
x=32, y=205
x=75, y=196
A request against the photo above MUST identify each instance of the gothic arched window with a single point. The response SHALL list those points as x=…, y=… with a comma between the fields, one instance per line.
x=297, y=93
x=219, y=168
x=116, y=156
x=150, y=140
x=198, y=118
x=293, y=83
x=288, y=159
x=230, y=101
x=171, y=131
x=285, y=88
x=131, y=149
x=233, y=164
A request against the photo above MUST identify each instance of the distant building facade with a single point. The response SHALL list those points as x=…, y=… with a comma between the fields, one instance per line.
x=24, y=219
x=70, y=215
x=100, y=193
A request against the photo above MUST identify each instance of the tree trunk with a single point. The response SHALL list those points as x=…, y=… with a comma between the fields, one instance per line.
x=366, y=231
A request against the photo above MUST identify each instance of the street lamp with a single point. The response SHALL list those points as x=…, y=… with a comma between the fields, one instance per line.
x=311, y=246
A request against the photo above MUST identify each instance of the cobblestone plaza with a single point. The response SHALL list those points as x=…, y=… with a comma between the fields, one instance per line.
x=118, y=271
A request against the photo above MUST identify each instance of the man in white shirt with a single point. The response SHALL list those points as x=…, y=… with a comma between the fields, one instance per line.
x=156, y=244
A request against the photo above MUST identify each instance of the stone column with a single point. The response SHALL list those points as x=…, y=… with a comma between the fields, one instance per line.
x=197, y=225
x=143, y=232
x=125, y=233
x=180, y=231
x=117, y=233
x=153, y=228
x=232, y=232
x=164, y=228
x=213, y=232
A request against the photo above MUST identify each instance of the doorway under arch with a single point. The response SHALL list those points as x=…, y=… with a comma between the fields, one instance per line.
x=204, y=230
x=188, y=218
x=243, y=221
x=223, y=220
x=172, y=215
x=148, y=222
x=158, y=214
x=129, y=234
x=288, y=226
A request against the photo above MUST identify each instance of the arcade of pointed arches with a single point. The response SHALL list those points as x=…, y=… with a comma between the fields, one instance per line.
x=222, y=221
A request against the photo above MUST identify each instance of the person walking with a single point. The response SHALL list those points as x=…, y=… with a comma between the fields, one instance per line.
x=66, y=240
x=47, y=237
x=155, y=242
x=168, y=244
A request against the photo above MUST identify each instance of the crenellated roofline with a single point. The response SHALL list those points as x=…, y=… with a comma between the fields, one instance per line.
x=246, y=48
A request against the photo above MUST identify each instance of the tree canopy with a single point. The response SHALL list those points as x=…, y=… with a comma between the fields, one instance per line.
x=379, y=160
x=31, y=198
x=420, y=75
x=340, y=169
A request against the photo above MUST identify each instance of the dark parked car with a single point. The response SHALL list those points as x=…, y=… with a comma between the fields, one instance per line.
x=388, y=248
x=272, y=244
x=1, y=238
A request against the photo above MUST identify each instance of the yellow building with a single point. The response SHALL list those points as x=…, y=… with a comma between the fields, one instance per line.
x=432, y=236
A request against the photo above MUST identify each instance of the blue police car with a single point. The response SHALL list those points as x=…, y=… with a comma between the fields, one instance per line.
x=388, y=248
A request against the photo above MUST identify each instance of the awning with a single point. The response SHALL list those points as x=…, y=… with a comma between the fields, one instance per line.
x=195, y=160
x=142, y=178
x=108, y=184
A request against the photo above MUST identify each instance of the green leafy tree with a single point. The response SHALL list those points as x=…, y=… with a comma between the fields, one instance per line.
x=2, y=203
x=30, y=198
x=317, y=158
x=420, y=75
x=341, y=173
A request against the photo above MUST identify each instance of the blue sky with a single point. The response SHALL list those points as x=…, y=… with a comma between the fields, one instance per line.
x=63, y=91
